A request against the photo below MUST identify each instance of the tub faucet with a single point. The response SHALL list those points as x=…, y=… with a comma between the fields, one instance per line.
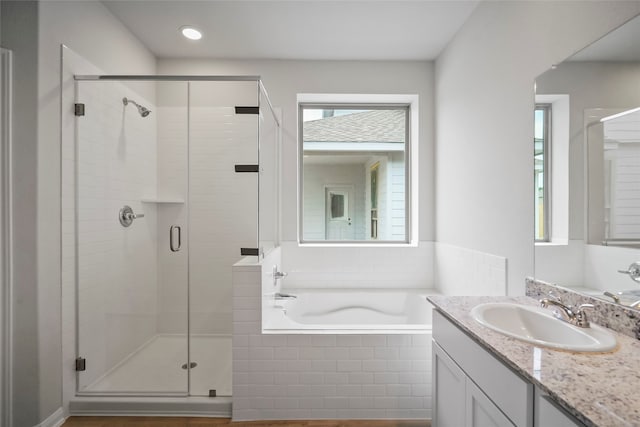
x=281, y=296
x=277, y=275
x=567, y=313
x=613, y=296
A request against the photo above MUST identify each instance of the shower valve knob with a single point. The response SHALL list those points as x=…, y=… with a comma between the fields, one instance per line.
x=126, y=216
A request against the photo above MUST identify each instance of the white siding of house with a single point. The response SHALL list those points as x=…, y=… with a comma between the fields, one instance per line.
x=391, y=197
x=397, y=202
x=316, y=178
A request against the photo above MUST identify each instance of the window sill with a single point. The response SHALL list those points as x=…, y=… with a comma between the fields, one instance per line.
x=557, y=242
x=358, y=245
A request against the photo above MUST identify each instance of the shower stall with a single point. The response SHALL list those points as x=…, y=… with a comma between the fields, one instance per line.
x=176, y=179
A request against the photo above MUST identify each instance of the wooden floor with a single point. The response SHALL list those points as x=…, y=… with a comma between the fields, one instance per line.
x=215, y=422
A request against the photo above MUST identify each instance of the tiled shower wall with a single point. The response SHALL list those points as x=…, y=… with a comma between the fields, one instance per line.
x=321, y=376
x=222, y=213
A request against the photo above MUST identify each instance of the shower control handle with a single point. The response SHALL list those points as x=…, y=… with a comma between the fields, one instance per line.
x=172, y=244
x=126, y=216
x=633, y=271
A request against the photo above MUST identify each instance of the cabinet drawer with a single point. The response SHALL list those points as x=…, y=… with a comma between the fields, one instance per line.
x=504, y=387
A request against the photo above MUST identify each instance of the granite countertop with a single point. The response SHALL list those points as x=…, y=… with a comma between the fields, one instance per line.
x=599, y=389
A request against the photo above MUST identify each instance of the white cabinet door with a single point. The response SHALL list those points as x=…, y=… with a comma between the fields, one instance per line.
x=482, y=412
x=448, y=390
x=512, y=394
x=548, y=414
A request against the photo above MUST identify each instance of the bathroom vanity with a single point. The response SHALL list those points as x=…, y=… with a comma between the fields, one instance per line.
x=484, y=378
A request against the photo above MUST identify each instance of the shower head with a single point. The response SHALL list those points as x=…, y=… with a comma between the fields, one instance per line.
x=144, y=111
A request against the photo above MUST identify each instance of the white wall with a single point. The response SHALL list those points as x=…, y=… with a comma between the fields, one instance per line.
x=19, y=32
x=89, y=29
x=284, y=80
x=484, y=105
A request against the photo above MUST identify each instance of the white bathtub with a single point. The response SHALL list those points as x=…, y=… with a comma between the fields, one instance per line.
x=348, y=311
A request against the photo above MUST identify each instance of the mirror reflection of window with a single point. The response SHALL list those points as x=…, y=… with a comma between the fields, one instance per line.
x=362, y=147
x=542, y=123
x=621, y=144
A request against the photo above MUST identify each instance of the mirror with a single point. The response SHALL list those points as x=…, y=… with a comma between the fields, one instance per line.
x=587, y=169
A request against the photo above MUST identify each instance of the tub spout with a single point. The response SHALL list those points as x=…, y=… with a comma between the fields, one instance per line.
x=281, y=296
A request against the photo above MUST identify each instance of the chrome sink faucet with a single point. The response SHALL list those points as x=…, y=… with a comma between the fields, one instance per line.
x=576, y=317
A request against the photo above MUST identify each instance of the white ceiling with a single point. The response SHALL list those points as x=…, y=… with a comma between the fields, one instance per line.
x=622, y=44
x=296, y=29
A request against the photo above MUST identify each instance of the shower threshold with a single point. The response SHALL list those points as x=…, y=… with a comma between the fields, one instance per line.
x=157, y=367
x=182, y=406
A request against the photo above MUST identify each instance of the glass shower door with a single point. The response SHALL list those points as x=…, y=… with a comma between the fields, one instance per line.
x=131, y=228
x=223, y=219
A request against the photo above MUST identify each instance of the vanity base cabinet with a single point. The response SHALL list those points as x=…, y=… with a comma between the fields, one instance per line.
x=499, y=384
x=449, y=402
x=458, y=402
x=472, y=388
x=548, y=413
x=481, y=411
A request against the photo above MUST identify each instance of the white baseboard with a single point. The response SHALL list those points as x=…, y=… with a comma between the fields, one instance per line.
x=54, y=420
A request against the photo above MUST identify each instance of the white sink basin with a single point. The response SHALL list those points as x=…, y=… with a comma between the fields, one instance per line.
x=538, y=326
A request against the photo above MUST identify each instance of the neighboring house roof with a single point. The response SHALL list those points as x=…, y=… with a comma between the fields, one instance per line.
x=368, y=126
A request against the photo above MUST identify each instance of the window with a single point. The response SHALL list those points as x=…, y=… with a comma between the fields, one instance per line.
x=542, y=181
x=354, y=172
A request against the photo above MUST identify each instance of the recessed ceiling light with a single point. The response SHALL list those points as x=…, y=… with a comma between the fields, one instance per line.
x=191, y=33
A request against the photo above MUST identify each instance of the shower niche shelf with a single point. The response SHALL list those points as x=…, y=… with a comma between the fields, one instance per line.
x=176, y=200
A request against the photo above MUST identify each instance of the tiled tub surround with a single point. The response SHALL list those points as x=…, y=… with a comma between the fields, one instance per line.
x=301, y=376
x=613, y=316
x=598, y=389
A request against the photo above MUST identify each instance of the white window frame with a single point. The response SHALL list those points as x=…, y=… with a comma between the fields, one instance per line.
x=558, y=166
x=411, y=164
x=546, y=172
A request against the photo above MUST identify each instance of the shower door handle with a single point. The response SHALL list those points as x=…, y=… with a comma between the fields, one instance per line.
x=172, y=244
